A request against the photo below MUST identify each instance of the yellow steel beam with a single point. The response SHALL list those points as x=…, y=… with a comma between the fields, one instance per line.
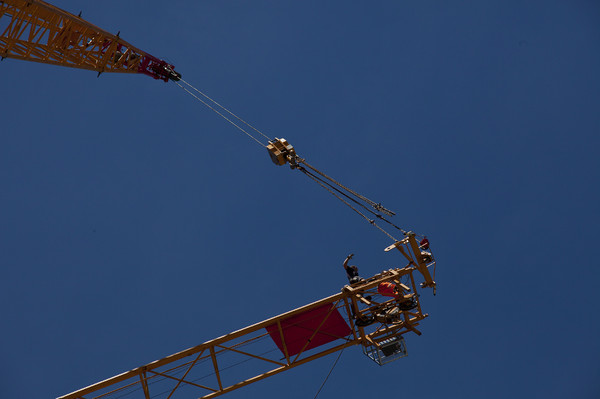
x=37, y=31
x=420, y=262
x=251, y=355
x=279, y=370
x=191, y=351
x=180, y=380
x=144, y=383
x=315, y=333
x=348, y=302
x=215, y=365
x=285, y=350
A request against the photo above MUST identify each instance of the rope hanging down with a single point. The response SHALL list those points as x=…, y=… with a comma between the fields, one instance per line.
x=330, y=371
x=282, y=152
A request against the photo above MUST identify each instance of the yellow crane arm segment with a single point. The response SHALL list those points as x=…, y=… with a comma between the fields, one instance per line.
x=361, y=314
x=34, y=30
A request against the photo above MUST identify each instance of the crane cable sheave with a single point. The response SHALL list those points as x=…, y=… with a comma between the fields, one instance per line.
x=282, y=152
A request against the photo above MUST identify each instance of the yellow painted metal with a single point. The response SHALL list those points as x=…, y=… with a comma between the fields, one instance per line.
x=411, y=251
x=213, y=356
x=190, y=368
x=144, y=382
x=34, y=30
x=179, y=380
x=285, y=350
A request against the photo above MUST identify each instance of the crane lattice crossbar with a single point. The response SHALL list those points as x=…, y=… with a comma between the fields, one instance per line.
x=34, y=30
x=373, y=313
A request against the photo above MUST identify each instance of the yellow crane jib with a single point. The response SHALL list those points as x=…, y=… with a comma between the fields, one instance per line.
x=372, y=313
x=33, y=30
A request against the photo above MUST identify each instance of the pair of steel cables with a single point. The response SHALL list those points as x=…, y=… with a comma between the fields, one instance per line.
x=357, y=202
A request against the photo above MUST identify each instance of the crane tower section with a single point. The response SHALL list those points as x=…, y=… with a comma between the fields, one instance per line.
x=373, y=313
x=34, y=30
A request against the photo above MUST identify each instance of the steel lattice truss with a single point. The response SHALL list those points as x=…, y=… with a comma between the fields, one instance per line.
x=34, y=30
x=252, y=353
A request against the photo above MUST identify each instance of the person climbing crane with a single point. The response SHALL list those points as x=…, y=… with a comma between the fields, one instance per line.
x=351, y=271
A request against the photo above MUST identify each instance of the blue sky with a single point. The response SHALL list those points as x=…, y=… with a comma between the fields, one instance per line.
x=136, y=223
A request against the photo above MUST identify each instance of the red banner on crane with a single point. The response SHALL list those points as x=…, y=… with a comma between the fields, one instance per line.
x=310, y=329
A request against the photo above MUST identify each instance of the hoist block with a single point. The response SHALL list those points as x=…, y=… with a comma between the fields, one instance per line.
x=281, y=151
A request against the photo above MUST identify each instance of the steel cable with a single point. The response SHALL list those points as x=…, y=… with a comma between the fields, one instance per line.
x=374, y=204
x=228, y=111
x=329, y=187
x=380, y=217
x=322, y=184
x=220, y=114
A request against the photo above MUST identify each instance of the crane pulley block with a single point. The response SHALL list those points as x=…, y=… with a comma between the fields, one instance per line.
x=282, y=152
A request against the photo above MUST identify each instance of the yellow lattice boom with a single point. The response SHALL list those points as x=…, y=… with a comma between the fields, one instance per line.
x=361, y=314
x=34, y=30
